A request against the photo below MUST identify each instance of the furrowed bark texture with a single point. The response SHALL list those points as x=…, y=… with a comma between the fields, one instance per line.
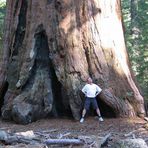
x=52, y=46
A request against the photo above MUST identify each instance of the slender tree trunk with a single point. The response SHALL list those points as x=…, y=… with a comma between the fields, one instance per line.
x=134, y=18
x=135, y=29
x=52, y=46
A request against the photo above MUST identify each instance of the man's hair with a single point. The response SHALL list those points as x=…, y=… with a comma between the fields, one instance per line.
x=89, y=78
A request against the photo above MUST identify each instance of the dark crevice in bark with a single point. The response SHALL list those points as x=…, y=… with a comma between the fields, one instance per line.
x=16, y=7
x=106, y=110
x=88, y=60
x=121, y=107
x=78, y=17
x=2, y=94
x=43, y=63
x=15, y=52
x=146, y=107
x=59, y=109
x=41, y=53
x=20, y=32
x=36, y=96
x=58, y=6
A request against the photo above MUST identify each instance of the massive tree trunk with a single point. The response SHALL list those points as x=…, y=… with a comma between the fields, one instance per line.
x=52, y=46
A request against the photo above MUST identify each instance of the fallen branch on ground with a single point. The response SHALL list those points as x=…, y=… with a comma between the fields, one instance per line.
x=130, y=133
x=64, y=141
x=105, y=139
x=11, y=138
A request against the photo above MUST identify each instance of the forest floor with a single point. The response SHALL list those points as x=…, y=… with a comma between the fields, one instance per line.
x=119, y=128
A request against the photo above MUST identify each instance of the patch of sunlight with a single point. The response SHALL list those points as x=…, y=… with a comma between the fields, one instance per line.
x=135, y=120
x=65, y=23
x=112, y=38
x=2, y=1
x=2, y=4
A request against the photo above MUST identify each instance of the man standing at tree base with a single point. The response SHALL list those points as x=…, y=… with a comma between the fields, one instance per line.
x=91, y=90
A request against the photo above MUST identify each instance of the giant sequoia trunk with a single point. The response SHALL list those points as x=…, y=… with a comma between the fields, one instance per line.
x=52, y=46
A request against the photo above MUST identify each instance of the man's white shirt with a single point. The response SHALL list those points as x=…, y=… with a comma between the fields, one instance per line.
x=91, y=90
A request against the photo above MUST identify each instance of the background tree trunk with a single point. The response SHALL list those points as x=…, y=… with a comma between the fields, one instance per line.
x=52, y=46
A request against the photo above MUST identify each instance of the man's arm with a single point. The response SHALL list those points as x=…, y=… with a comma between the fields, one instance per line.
x=84, y=90
x=98, y=90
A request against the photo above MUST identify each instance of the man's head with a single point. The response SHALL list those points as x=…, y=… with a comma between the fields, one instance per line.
x=89, y=80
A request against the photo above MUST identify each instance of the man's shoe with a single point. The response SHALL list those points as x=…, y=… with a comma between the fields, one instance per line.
x=81, y=120
x=101, y=119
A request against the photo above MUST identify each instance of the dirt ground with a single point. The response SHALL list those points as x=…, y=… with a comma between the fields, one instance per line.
x=119, y=128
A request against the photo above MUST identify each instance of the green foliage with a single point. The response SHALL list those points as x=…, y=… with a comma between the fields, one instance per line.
x=138, y=53
x=2, y=14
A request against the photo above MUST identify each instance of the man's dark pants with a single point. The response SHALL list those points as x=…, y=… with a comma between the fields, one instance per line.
x=90, y=101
